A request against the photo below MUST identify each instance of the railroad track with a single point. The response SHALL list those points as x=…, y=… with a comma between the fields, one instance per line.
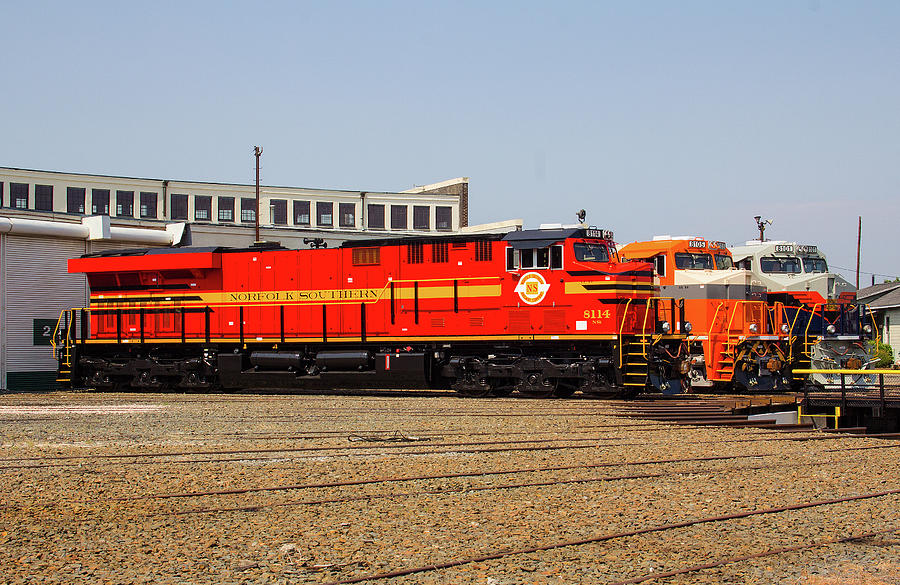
x=606, y=537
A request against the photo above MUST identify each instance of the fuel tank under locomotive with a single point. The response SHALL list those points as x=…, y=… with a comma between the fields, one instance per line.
x=359, y=367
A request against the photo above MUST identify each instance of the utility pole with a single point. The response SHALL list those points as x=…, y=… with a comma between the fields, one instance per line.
x=257, y=152
x=858, y=242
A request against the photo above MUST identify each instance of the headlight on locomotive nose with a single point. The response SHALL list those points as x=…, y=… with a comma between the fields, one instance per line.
x=688, y=326
x=773, y=365
x=867, y=329
x=830, y=329
x=666, y=327
x=785, y=328
x=754, y=328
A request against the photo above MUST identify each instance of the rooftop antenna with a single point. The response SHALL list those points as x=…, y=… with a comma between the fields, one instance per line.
x=257, y=152
x=581, y=214
x=761, y=224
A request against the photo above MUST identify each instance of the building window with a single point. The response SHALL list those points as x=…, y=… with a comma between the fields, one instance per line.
x=202, y=208
x=398, y=217
x=124, y=203
x=100, y=201
x=443, y=218
x=278, y=211
x=439, y=252
x=347, y=214
x=226, y=208
x=43, y=198
x=248, y=210
x=324, y=213
x=301, y=212
x=376, y=216
x=421, y=217
x=366, y=256
x=75, y=199
x=18, y=195
x=148, y=205
x=179, y=207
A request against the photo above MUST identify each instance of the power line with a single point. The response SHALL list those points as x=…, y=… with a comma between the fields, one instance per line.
x=864, y=271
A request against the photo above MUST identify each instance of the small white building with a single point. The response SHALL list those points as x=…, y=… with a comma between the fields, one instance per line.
x=48, y=217
x=884, y=300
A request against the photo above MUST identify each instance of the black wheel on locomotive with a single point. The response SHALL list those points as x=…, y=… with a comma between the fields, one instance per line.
x=534, y=385
x=474, y=389
x=600, y=385
x=566, y=387
x=501, y=387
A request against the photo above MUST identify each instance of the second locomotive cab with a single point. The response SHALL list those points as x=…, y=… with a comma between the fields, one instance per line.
x=544, y=312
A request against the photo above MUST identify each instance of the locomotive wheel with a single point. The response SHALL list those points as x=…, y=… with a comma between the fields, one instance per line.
x=565, y=388
x=503, y=387
x=473, y=389
x=535, y=386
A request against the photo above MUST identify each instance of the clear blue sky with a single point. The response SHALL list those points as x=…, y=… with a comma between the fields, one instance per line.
x=685, y=117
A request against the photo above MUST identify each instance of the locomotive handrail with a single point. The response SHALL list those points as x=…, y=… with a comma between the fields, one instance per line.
x=622, y=328
x=56, y=330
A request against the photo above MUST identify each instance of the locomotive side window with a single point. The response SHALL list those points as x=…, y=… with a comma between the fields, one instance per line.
x=774, y=265
x=585, y=252
x=659, y=264
x=814, y=265
x=724, y=262
x=556, y=257
x=526, y=258
x=512, y=259
x=686, y=261
x=536, y=258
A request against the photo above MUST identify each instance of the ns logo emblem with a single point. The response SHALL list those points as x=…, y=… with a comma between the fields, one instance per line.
x=532, y=288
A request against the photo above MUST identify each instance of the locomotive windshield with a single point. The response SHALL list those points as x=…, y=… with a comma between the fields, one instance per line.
x=723, y=262
x=686, y=261
x=585, y=252
x=814, y=265
x=774, y=265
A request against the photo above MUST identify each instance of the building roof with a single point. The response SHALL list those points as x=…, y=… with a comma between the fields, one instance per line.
x=873, y=295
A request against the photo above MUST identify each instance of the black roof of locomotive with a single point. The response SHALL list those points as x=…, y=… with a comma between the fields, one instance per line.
x=518, y=239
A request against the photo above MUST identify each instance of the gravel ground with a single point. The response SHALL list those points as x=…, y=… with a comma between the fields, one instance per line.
x=77, y=472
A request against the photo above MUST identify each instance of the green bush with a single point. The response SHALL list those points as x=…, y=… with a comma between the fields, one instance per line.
x=883, y=353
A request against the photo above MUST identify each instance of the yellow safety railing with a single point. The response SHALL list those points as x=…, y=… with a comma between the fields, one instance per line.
x=836, y=416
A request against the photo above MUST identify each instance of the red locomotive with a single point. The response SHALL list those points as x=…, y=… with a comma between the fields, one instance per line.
x=541, y=312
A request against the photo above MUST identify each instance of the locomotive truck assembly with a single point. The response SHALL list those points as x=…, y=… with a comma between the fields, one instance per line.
x=543, y=313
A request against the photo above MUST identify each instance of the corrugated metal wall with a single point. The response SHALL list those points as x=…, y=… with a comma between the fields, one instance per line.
x=35, y=284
